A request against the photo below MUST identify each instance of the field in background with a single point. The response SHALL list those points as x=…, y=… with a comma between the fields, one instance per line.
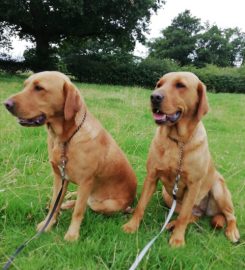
x=26, y=182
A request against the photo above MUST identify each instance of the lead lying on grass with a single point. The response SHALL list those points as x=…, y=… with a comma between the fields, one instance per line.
x=178, y=104
x=105, y=179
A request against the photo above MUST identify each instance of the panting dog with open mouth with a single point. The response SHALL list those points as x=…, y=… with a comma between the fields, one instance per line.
x=178, y=104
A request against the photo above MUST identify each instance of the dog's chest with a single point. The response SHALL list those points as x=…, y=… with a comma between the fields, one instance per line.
x=170, y=163
x=168, y=171
x=58, y=153
x=78, y=163
x=57, y=156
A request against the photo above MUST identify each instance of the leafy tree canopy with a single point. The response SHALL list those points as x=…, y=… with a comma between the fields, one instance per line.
x=178, y=40
x=221, y=47
x=188, y=41
x=48, y=22
x=4, y=38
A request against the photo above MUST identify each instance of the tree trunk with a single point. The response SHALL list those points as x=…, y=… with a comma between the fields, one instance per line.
x=43, y=58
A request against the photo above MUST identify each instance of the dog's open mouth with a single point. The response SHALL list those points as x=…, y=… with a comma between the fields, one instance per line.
x=163, y=118
x=33, y=122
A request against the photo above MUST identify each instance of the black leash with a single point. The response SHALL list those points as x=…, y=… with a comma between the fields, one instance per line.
x=22, y=246
x=63, y=178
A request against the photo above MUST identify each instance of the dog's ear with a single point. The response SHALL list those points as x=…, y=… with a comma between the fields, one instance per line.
x=73, y=101
x=159, y=83
x=202, y=107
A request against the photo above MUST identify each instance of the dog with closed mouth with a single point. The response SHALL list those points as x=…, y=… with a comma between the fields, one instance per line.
x=178, y=104
x=105, y=179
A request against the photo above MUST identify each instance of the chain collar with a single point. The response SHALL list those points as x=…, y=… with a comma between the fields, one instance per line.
x=80, y=125
x=179, y=169
x=181, y=146
x=181, y=152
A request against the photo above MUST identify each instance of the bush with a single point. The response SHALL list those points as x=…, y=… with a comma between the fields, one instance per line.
x=13, y=66
x=150, y=70
x=121, y=70
x=129, y=70
x=33, y=61
x=125, y=69
x=230, y=80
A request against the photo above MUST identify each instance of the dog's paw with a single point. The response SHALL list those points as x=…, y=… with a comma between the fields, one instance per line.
x=176, y=241
x=48, y=228
x=71, y=236
x=232, y=232
x=130, y=227
x=172, y=224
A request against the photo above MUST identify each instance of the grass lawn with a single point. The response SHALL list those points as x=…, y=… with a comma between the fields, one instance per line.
x=26, y=184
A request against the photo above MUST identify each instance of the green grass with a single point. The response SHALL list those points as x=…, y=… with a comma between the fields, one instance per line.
x=26, y=181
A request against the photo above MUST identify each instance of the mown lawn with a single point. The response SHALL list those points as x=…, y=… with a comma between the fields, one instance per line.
x=26, y=181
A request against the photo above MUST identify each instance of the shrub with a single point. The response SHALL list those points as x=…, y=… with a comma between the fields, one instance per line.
x=150, y=70
x=123, y=70
x=13, y=66
x=129, y=70
x=33, y=61
x=230, y=80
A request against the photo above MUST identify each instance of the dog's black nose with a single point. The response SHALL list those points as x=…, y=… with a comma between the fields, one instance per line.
x=156, y=98
x=9, y=104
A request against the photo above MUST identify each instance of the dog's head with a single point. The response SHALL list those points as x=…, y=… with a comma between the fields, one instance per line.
x=45, y=95
x=178, y=96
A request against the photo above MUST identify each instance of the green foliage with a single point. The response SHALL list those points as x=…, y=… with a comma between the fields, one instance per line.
x=128, y=70
x=178, y=40
x=230, y=80
x=26, y=187
x=32, y=61
x=5, y=38
x=221, y=47
x=149, y=70
x=52, y=21
x=13, y=66
x=188, y=41
x=118, y=69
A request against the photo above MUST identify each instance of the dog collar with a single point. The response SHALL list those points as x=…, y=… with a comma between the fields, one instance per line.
x=80, y=125
x=64, y=144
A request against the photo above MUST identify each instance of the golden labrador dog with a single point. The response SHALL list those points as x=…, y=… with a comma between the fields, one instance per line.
x=178, y=104
x=105, y=179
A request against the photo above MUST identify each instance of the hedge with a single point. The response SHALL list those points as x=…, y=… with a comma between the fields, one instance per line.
x=13, y=66
x=145, y=73
x=230, y=80
x=109, y=70
x=224, y=83
x=129, y=70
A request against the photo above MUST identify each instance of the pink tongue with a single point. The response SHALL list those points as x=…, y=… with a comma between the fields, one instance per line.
x=161, y=117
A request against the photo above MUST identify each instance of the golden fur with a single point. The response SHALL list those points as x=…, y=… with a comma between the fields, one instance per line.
x=96, y=164
x=202, y=189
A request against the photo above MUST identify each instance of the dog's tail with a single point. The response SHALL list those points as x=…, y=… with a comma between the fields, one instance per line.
x=218, y=221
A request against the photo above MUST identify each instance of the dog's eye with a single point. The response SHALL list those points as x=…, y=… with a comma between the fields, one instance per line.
x=180, y=85
x=38, y=88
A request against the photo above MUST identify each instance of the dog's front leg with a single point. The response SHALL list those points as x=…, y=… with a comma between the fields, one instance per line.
x=56, y=189
x=178, y=237
x=148, y=190
x=83, y=193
